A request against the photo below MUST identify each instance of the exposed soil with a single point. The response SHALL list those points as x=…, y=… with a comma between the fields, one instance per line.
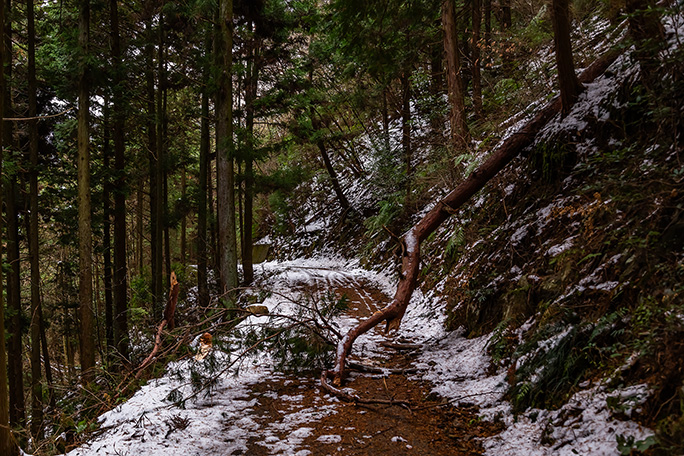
x=424, y=426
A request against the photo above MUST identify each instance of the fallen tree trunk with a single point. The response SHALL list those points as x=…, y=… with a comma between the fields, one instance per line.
x=169, y=313
x=411, y=241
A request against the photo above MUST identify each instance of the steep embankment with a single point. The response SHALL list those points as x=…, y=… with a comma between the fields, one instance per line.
x=571, y=264
x=563, y=278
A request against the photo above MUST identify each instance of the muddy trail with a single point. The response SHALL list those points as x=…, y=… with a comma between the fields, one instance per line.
x=203, y=408
x=296, y=417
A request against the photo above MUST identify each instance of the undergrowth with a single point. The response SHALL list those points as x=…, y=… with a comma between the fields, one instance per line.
x=589, y=252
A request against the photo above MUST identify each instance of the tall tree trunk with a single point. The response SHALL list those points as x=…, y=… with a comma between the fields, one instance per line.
x=15, y=326
x=475, y=56
x=167, y=238
x=570, y=88
x=337, y=188
x=46, y=360
x=212, y=260
x=506, y=19
x=139, y=227
x=646, y=30
x=251, y=85
x=225, y=195
x=437, y=85
x=14, y=307
x=165, y=178
x=120, y=285
x=7, y=444
x=406, y=134
x=202, y=286
x=36, y=385
x=487, y=21
x=162, y=174
x=66, y=296
x=85, y=248
x=460, y=137
x=154, y=170
x=184, y=221
x=106, y=237
x=385, y=121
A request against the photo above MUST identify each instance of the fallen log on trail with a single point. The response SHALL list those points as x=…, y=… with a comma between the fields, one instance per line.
x=411, y=240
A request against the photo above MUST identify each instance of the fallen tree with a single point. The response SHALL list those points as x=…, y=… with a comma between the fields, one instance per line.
x=411, y=240
x=169, y=314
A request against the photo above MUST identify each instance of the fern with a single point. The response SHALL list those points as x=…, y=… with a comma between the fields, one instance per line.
x=454, y=243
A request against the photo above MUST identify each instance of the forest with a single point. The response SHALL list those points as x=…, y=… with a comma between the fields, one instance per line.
x=210, y=208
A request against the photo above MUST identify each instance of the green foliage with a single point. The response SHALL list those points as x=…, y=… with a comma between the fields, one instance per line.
x=539, y=31
x=454, y=244
x=552, y=159
x=670, y=430
x=629, y=445
x=466, y=162
x=141, y=300
x=390, y=209
x=549, y=372
x=504, y=92
x=307, y=344
x=500, y=344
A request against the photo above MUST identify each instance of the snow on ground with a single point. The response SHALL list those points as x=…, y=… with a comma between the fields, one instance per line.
x=223, y=419
x=458, y=369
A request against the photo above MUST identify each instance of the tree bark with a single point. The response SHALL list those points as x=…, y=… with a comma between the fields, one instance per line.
x=406, y=135
x=161, y=171
x=506, y=18
x=154, y=168
x=225, y=194
x=385, y=122
x=165, y=175
x=36, y=386
x=212, y=259
x=120, y=285
x=437, y=85
x=46, y=360
x=14, y=307
x=487, y=21
x=460, y=137
x=393, y=313
x=15, y=326
x=475, y=55
x=202, y=285
x=646, y=30
x=170, y=309
x=337, y=188
x=85, y=249
x=570, y=88
x=139, y=227
x=184, y=220
x=251, y=85
x=7, y=444
x=106, y=237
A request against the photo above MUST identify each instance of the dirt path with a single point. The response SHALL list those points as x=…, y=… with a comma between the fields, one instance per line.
x=296, y=417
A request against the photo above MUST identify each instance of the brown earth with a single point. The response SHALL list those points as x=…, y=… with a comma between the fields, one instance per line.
x=426, y=426
x=423, y=428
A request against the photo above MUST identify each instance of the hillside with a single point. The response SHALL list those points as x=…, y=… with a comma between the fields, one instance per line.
x=293, y=227
x=566, y=270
